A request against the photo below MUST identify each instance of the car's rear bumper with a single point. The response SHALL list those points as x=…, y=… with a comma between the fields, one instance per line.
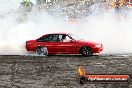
x=30, y=48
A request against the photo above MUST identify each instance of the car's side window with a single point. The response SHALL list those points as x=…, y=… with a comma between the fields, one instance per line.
x=59, y=37
x=66, y=39
x=47, y=38
x=56, y=38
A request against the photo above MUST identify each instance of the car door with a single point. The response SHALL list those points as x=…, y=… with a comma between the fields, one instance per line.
x=56, y=44
x=60, y=47
x=46, y=41
x=68, y=46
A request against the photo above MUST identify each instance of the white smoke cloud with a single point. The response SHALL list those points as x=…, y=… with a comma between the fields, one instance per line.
x=113, y=31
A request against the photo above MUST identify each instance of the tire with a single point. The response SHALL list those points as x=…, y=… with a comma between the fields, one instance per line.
x=82, y=80
x=86, y=51
x=42, y=51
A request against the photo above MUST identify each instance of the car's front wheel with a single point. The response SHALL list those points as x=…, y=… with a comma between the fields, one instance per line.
x=86, y=51
x=42, y=50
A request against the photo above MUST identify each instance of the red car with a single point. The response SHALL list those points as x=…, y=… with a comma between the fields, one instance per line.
x=62, y=43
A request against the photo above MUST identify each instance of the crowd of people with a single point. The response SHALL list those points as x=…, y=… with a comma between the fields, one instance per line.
x=75, y=8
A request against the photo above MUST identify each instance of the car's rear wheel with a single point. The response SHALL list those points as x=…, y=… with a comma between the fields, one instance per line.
x=86, y=51
x=42, y=50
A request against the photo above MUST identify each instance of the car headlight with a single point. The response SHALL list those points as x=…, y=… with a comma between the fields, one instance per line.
x=98, y=45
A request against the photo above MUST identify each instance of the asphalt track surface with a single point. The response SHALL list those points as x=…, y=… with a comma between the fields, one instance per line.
x=60, y=71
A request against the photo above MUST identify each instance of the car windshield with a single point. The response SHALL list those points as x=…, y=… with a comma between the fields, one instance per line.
x=72, y=36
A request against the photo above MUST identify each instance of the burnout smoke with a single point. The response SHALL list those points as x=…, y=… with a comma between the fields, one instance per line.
x=113, y=31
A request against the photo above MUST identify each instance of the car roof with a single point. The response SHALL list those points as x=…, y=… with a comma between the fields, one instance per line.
x=59, y=33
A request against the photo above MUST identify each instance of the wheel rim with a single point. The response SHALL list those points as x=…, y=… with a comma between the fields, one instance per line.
x=42, y=51
x=86, y=51
x=82, y=80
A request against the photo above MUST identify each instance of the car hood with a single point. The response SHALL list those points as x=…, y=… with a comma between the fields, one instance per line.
x=88, y=42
